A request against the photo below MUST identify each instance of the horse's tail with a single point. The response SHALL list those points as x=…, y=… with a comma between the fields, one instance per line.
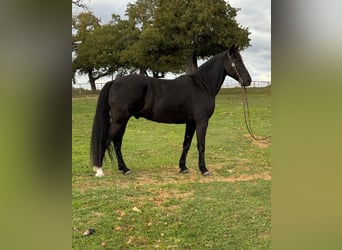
x=99, y=137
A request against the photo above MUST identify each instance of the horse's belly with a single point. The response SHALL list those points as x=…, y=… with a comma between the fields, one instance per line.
x=166, y=115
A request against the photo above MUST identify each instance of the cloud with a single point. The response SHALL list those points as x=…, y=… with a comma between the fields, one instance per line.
x=105, y=8
x=256, y=16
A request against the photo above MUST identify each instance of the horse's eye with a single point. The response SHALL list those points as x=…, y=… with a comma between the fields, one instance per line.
x=233, y=64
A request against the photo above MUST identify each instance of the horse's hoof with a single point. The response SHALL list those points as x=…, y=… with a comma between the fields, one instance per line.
x=99, y=173
x=184, y=171
x=206, y=173
x=127, y=172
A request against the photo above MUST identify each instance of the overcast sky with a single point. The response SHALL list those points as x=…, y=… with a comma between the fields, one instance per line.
x=255, y=15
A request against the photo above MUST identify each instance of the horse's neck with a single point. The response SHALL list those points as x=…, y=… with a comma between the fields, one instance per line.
x=214, y=72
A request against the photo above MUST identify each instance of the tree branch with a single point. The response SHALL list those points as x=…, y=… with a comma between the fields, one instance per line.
x=79, y=4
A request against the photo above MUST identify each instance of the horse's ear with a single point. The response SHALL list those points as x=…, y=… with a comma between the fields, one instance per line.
x=232, y=49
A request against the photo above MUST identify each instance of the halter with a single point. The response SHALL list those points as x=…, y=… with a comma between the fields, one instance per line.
x=234, y=67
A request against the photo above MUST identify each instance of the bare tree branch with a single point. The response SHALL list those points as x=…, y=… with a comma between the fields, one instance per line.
x=79, y=3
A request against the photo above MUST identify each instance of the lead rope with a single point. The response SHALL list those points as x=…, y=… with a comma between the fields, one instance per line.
x=248, y=121
x=246, y=108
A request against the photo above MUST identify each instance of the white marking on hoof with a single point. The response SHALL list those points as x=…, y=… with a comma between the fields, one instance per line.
x=185, y=171
x=206, y=173
x=99, y=172
x=127, y=172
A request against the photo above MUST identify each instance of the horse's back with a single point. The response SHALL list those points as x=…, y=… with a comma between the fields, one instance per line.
x=129, y=86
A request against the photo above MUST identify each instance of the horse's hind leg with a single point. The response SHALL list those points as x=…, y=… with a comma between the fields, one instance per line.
x=98, y=166
x=189, y=133
x=117, y=131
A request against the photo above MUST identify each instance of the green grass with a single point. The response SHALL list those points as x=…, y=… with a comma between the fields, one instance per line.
x=155, y=207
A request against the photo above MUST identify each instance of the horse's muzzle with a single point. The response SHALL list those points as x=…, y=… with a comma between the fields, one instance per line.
x=246, y=82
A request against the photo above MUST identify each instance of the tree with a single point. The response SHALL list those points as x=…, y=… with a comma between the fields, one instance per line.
x=86, y=47
x=174, y=34
x=98, y=48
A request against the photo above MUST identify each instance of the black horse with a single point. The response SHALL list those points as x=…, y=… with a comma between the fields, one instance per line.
x=188, y=99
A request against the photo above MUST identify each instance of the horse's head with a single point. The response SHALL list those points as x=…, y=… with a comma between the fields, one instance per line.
x=235, y=67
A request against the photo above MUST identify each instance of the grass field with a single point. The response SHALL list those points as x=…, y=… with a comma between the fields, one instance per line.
x=156, y=207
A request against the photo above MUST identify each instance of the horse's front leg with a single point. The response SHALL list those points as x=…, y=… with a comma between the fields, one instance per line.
x=201, y=129
x=189, y=133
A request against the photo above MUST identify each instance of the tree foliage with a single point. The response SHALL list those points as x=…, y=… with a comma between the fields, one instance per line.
x=176, y=33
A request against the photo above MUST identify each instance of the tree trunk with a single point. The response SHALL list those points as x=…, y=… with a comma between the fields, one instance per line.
x=191, y=63
x=92, y=80
x=142, y=72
